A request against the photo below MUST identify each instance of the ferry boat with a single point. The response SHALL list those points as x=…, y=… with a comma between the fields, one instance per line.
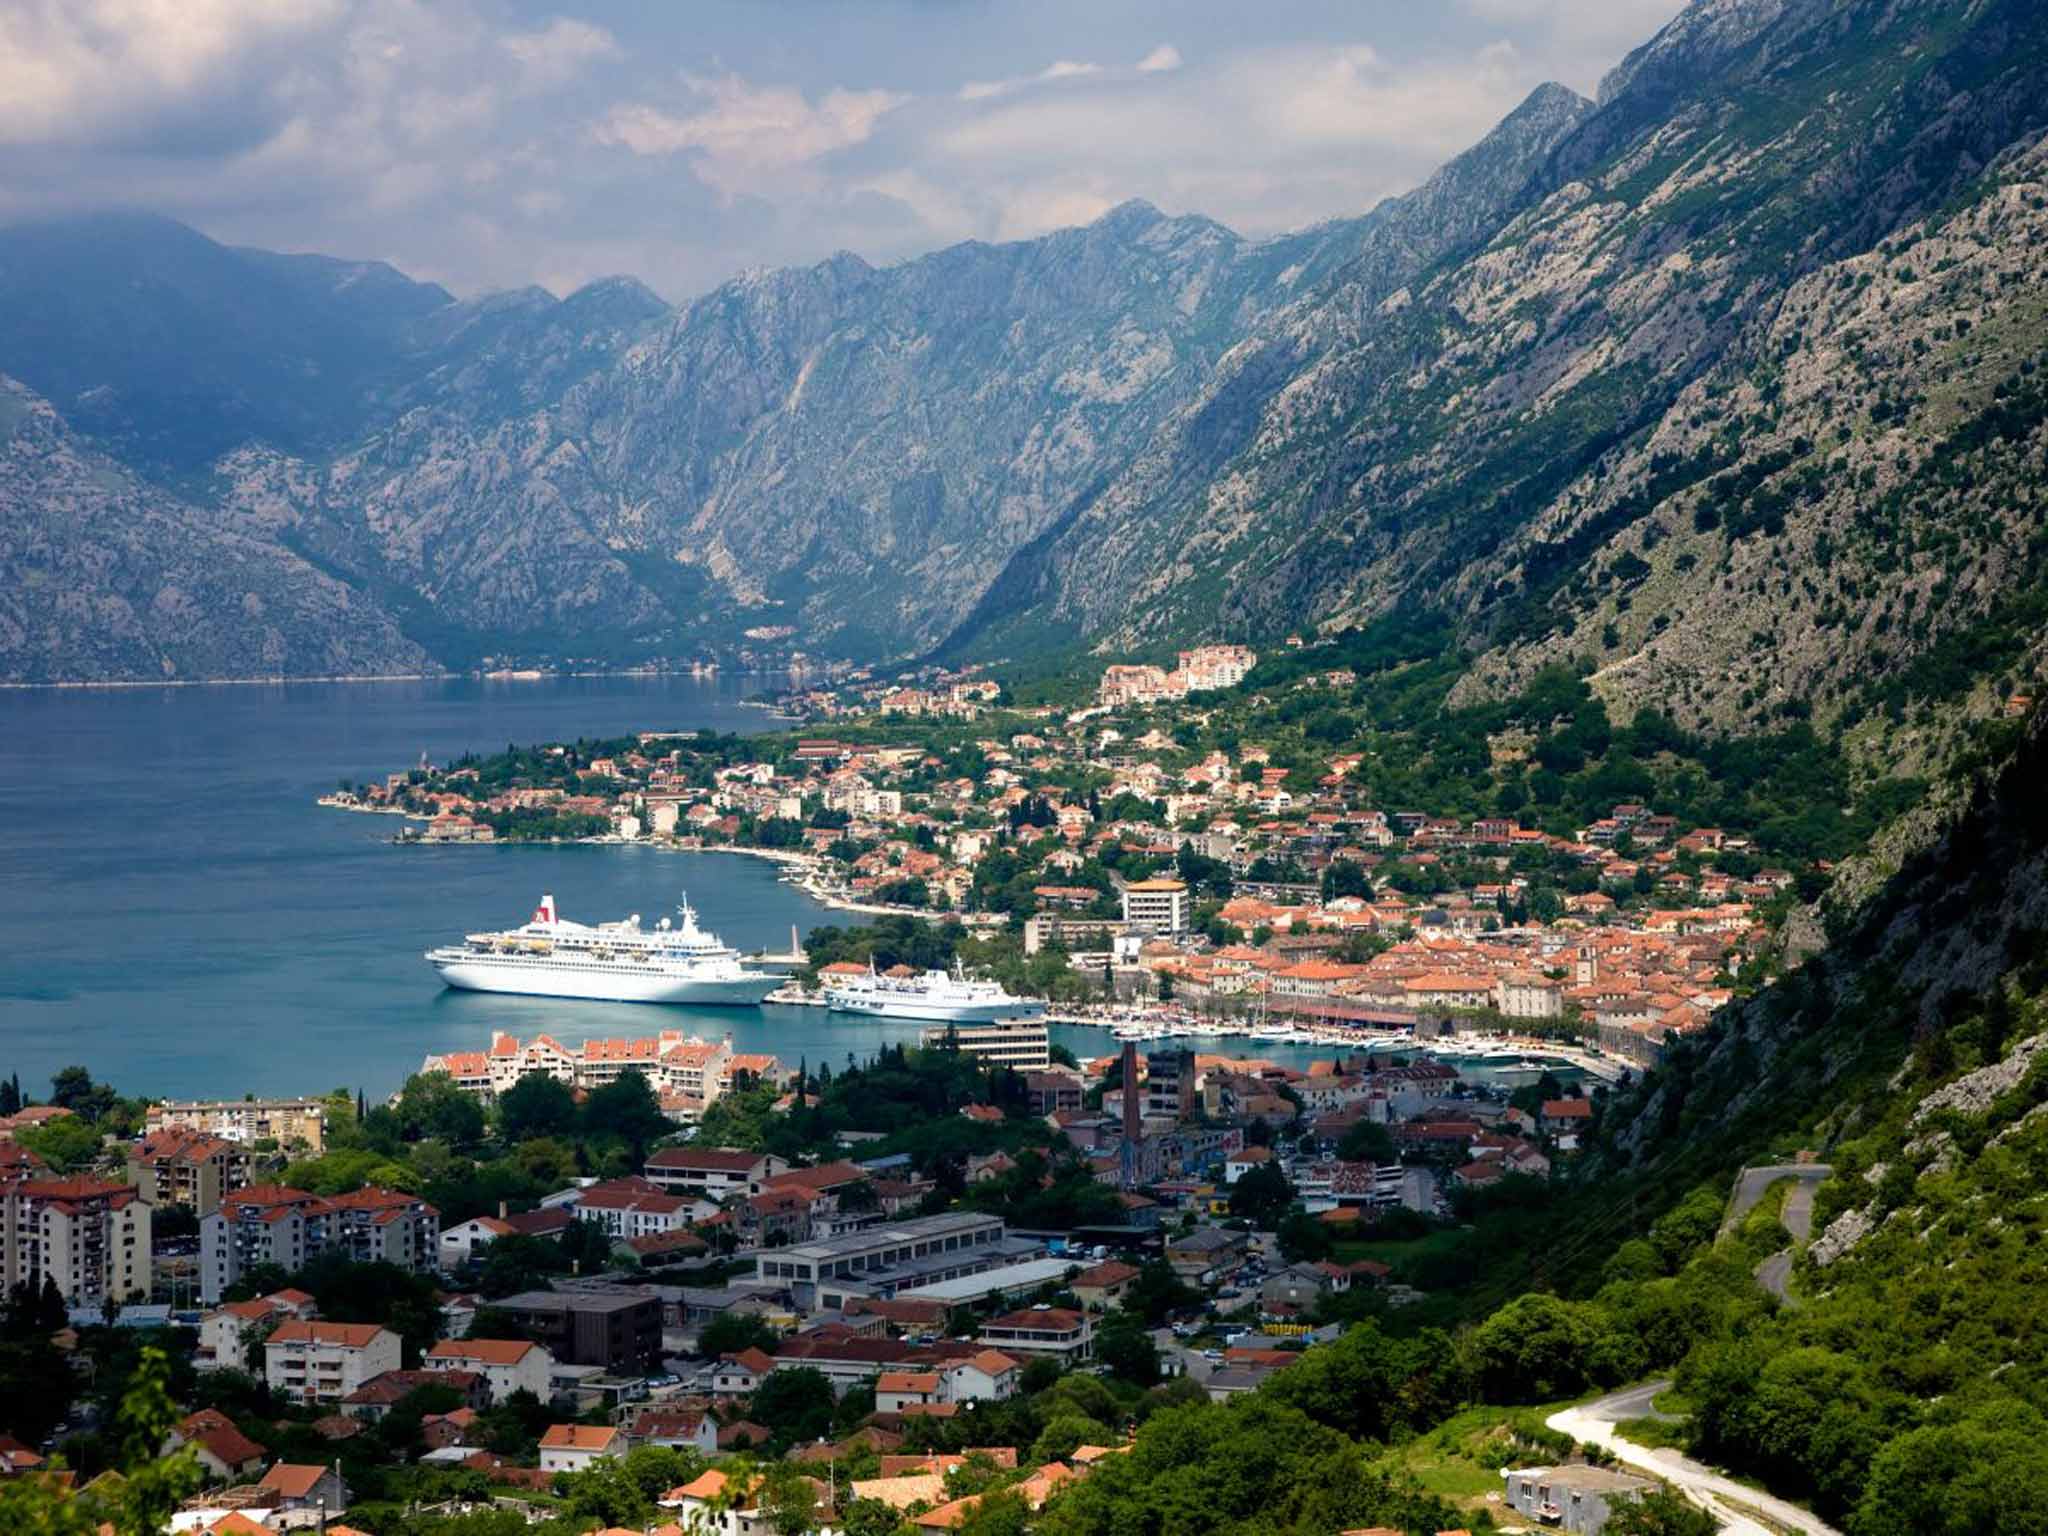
x=936, y=997
x=620, y=962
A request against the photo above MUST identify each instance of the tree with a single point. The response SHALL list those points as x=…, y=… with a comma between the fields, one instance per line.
x=603, y=1492
x=1128, y=1351
x=536, y=1106
x=1367, y=1141
x=626, y=1108
x=1262, y=1195
x=66, y=1143
x=796, y=1405
x=871, y=1517
x=1063, y=1435
x=1156, y=1292
x=517, y=1262
x=1002, y=1513
x=730, y=1332
x=431, y=1105
x=1535, y=1348
x=153, y=1483
x=1303, y=1238
x=70, y=1087
x=1661, y=1512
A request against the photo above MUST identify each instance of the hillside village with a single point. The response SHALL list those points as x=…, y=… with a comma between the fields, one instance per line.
x=1097, y=856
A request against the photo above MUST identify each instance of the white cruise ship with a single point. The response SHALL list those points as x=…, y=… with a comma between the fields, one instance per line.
x=936, y=997
x=612, y=962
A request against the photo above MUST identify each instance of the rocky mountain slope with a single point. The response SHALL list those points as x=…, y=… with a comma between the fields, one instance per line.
x=1723, y=385
x=104, y=576
x=850, y=452
x=1784, y=262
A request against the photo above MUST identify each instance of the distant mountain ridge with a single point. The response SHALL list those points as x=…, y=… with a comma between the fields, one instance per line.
x=1551, y=393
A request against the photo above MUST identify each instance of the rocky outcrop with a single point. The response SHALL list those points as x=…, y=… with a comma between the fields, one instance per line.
x=104, y=576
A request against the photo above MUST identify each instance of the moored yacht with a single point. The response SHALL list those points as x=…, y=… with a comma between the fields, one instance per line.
x=937, y=997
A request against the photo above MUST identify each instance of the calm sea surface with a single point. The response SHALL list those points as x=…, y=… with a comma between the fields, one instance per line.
x=182, y=919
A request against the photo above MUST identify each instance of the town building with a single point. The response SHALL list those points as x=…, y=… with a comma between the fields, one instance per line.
x=89, y=1237
x=1022, y=1044
x=380, y=1394
x=1057, y=1332
x=271, y=1224
x=1170, y=1085
x=1104, y=1286
x=507, y=1365
x=289, y=1123
x=1578, y=1499
x=686, y=1068
x=223, y=1452
x=318, y=1362
x=621, y=1332
x=181, y=1166
x=573, y=1447
x=878, y=1261
x=716, y=1173
x=1161, y=905
x=299, y=1489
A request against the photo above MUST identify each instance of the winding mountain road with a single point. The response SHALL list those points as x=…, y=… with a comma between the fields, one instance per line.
x=1775, y=1272
x=1737, y=1508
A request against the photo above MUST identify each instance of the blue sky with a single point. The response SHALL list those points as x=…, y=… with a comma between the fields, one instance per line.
x=491, y=143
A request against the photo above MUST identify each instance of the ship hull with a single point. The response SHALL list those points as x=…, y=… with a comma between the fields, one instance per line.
x=604, y=986
x=931, y=1012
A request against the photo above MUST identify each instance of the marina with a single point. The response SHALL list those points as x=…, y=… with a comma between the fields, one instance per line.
x=1499, y=1054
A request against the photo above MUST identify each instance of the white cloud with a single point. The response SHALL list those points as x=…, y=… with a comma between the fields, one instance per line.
x=101, y=71
x=490, y=142
x=559, y=52
x=1059, y=69
x=744, y=130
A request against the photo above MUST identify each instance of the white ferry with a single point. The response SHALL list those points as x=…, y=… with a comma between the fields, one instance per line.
x=937, y=997
x=612, y=962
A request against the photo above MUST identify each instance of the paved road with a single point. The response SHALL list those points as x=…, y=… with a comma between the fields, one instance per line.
x=1774, y=1273
x=1636, y=1403
x=1722, y=1497
x=1751, y=1184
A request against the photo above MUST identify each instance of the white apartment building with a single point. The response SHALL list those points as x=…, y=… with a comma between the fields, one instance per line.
x=508, y=1365
x=672, y=1063
x=1216, y=666
x=246, y=1120
x=315, y=1362
x=573, y=1447
x=714, y=1172
x=1025, y=1044
x=1160, y=905
x=225, y=1333
x=90, y=1236
x=1525, y=995
x=270, y=1224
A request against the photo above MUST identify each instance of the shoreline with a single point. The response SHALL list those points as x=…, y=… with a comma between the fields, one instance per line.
x=285, y=680
x=799, y=863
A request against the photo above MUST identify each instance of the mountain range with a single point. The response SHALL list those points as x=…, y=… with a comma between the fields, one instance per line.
x=1724, y=385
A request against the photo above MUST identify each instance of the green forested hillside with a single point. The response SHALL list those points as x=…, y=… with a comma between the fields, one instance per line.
x=1900, y=1388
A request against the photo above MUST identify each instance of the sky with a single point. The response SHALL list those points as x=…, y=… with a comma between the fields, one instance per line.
x=489, y=144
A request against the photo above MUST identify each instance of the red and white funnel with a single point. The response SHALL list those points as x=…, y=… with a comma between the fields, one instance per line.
x=545, y=912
